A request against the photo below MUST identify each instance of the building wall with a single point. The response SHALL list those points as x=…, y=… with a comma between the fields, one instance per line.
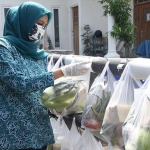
x=90, y=12
x=50, y=30
x=15, y=3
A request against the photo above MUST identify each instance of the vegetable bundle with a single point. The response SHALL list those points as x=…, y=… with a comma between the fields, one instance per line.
x=94, y=115
x=97, y=100
x=64, y=94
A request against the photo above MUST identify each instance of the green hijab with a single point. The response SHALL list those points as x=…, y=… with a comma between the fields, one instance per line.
x=19, y=21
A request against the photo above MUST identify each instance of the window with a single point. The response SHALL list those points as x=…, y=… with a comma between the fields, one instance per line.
x=4, y=12
x=56, y=28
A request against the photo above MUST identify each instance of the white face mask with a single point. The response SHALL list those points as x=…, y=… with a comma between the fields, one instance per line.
x=36, y=33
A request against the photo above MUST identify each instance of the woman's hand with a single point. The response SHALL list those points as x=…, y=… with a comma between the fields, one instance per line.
x=76, y=69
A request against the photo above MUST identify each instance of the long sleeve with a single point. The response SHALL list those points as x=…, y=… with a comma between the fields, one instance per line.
x=23, y=119
x=21, y=75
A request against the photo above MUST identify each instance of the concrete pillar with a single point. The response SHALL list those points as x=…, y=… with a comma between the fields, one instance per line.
x=111, y=41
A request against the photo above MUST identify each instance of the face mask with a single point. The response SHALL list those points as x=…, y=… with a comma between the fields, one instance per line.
x=36, y=33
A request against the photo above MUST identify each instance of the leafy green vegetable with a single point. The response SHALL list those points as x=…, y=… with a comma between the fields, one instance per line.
x=143, y=142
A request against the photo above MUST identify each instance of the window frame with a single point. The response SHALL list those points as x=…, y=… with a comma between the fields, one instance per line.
x=59, y=16
x=3, y=12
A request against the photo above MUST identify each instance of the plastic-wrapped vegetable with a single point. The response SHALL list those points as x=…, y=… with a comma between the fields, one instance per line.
x=118, y=108
x=97, y=100
x=66, y=93
x=136, y=128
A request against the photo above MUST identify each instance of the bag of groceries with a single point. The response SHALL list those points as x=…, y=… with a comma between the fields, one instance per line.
x=70, y=140
x=136, y=128
x=88, y=142
x=50, y=63
x=58, y=64
x=60, y=131
x=68, y=92
x=97, y=100
x=118, y=108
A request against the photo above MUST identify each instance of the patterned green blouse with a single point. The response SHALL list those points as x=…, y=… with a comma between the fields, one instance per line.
x=24, y=122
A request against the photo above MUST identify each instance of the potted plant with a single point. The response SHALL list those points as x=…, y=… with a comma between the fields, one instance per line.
x=86, y=41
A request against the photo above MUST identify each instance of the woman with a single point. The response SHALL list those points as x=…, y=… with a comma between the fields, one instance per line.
x=24, y=122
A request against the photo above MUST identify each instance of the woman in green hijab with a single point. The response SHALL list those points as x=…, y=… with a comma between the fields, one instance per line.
x=24, y=122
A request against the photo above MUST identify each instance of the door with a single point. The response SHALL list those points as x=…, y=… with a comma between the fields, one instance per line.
x=142, y=22
x=75, y=31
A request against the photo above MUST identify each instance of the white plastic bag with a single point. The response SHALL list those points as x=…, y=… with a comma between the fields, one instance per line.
x=118, y=108
x=53, y=122
x=80, y=84
x=88, y=142
x=136, y=128
x=50, y=63
x=79, y=102
x=58, y=64
x=97, y=100
x=70, y=140
x=60, y=131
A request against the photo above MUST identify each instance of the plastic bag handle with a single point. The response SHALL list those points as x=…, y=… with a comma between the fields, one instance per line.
x=52, y=60
x=127, y=70
x=105, y=69
x=58, y=63
x=50, y=64
x=100, y=77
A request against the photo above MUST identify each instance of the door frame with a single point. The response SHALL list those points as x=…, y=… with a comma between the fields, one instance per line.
x=72, y=29
x=138, y=34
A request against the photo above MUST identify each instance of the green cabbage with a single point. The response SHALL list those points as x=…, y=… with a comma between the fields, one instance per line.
x=143, y=141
